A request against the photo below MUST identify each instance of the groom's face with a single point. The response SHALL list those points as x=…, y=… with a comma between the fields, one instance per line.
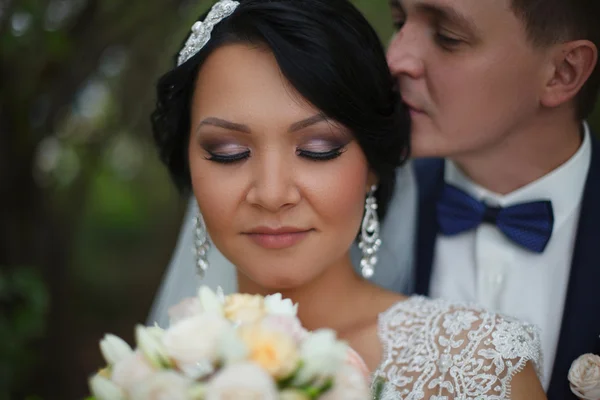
x=467, y=71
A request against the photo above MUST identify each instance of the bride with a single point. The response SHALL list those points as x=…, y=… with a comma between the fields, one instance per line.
x=281, y=118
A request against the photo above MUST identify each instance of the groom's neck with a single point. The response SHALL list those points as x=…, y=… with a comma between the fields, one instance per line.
x=525, y=155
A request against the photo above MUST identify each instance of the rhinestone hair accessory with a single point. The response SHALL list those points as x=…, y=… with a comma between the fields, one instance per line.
x=201, y=30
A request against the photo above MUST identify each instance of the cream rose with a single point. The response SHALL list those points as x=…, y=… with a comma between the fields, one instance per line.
x=243, y=381
x=186, y=308
x=274, y=351
x=584, y=377
x=161, y=386
x=131, y=370
x=349, y=383
x=192, y=344
x=244, y=308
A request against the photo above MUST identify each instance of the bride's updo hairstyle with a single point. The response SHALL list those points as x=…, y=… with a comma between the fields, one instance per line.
x=329, y=53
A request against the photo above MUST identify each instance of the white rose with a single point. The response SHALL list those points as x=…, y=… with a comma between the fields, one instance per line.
x=114, y=349
x=104, y=389
x=275, y=304
x=349, y=383
x=322, y=355
x=584, y=377
x=244, y=381
x=193, y=343
x=149, y=342
x=162, y=385
x=186, y=308
x=131, y=370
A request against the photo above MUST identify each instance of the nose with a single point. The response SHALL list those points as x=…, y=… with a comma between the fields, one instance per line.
x=273, y=185
x=404, y=54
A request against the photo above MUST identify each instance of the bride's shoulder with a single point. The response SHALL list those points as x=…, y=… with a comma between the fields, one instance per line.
x=460, y=342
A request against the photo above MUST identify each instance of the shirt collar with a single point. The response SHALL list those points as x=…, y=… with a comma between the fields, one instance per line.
x=562, y=186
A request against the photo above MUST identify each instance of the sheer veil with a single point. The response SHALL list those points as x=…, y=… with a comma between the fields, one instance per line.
x=393, y=271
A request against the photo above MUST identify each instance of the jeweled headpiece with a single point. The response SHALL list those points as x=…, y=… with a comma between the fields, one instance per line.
x=201, y=29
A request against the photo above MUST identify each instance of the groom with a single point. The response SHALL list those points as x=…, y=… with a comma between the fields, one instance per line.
x=509, y=196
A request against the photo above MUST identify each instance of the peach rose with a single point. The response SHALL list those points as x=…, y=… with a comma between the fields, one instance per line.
x=244, y=308
x=274, y=351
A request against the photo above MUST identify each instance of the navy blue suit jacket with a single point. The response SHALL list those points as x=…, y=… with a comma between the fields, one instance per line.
x=580, y=327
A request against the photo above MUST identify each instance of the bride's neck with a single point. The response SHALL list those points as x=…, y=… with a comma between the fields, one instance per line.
x=328, y=301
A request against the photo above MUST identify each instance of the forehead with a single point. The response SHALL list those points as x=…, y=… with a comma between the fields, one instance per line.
x=479, y=12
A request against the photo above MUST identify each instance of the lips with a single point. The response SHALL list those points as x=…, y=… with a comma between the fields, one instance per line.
x=279, y=238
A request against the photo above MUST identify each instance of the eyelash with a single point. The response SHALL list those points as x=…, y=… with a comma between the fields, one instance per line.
x=446, y=42
x=311, y=155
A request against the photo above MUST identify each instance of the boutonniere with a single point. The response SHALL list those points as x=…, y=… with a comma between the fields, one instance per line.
x=584, y=377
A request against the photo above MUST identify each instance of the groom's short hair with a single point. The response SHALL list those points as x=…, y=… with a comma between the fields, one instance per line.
x=551, y=21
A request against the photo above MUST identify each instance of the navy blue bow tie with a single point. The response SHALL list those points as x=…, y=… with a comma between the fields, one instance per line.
x=528, y=224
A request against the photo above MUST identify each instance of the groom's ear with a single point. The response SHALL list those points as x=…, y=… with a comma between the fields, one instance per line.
x=570, y=65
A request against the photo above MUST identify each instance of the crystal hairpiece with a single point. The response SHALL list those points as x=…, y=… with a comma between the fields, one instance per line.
x=201, y=29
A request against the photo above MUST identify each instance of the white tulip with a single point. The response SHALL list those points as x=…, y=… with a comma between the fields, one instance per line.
x=276, y=305
x=322, y=355
x=114, y=349
x=104, y=389
x=210, y=301
x=148, y=341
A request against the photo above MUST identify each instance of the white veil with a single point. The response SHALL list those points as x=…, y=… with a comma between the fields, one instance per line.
x=393, y=271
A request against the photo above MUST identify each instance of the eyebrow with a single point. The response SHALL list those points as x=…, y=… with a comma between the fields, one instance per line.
x=446, y=13
x=222, y=123
x=441, y=12
x=233, y=126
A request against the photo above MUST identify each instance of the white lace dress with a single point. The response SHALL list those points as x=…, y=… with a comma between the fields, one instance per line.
x=437, y=350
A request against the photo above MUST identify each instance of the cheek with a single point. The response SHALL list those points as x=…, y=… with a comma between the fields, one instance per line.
x=472, y=98
x=217, y=192
x=338, y=191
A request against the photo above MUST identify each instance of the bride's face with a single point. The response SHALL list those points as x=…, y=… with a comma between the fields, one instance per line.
x=280, y=187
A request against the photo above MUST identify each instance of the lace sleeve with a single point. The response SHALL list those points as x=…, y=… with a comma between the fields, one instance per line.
x=438, y=350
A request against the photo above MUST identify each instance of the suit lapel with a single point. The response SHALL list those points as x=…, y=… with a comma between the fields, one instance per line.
x=430, y=179
x=581, y=318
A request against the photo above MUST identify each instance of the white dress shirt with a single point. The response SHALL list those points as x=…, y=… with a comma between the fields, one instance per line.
x=484, y=266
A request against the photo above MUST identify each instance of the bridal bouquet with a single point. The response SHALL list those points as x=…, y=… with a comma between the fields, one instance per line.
x=236, y=347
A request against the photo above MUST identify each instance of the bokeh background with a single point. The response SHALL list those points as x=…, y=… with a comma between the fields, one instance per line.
x=88, y=216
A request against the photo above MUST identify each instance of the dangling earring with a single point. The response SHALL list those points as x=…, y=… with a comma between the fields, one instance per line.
x=369, y=241
x=201, y=245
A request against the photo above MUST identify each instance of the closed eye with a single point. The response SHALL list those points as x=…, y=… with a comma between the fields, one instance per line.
x=228, y=158
x=321, y=155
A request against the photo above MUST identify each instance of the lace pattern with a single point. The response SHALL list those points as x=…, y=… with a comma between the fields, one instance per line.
x=436, y=350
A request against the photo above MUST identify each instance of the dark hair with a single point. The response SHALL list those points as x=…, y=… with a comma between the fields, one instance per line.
x=329, y=53
x=550, y=21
